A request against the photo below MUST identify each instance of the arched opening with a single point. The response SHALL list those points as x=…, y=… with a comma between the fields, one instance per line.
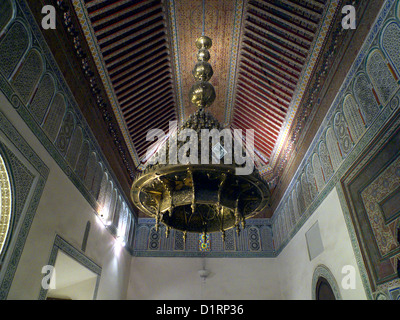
x=324, y=290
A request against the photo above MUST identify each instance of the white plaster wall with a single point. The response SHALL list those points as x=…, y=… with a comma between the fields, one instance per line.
x=295, y=268
x=178, y=278
x=115, y=274
x=78, y=291
x=64, y=211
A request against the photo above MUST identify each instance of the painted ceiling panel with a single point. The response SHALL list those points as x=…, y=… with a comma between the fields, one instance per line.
x=219, y=25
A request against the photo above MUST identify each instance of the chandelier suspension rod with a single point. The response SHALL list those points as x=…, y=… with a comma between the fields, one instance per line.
x=204, y=17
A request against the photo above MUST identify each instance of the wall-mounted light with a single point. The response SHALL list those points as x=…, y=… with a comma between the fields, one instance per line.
x=120, y=240
x=103, y=216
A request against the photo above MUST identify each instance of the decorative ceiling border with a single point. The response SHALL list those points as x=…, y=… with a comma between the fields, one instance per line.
x=305, y=78
x=88, y=31
x=173, y=29
x=232, y=78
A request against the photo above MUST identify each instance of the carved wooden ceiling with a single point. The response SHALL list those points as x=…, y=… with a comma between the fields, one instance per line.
x=276, y=40
x=264, y=56
x=132, y=38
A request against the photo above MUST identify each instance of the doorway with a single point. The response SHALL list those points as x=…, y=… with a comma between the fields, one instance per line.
x=73, y=281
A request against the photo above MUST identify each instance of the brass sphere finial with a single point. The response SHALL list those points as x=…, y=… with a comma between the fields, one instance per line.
x=202, y=94
x=203, y=42
x=202, y=71
x=203, y=55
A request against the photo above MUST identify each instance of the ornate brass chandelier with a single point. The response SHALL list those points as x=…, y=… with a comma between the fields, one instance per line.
x=199, y=196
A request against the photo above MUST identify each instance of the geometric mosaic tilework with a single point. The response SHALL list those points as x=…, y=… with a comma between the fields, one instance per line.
x=353, y=114
x=254, y=241
x=390, y=46
x=342, y=133
x=204, y=242
x=54, y=116
x=154, y=239
x=22, y=178
x=318, y=172
x=373, y=186
x=311, y=176
x=394, y=293
x=6, y=13
x=27, y=77
x=372, y=196
x=365, y=97
x=42, y=98
x=15, y=40
x=381, y=74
